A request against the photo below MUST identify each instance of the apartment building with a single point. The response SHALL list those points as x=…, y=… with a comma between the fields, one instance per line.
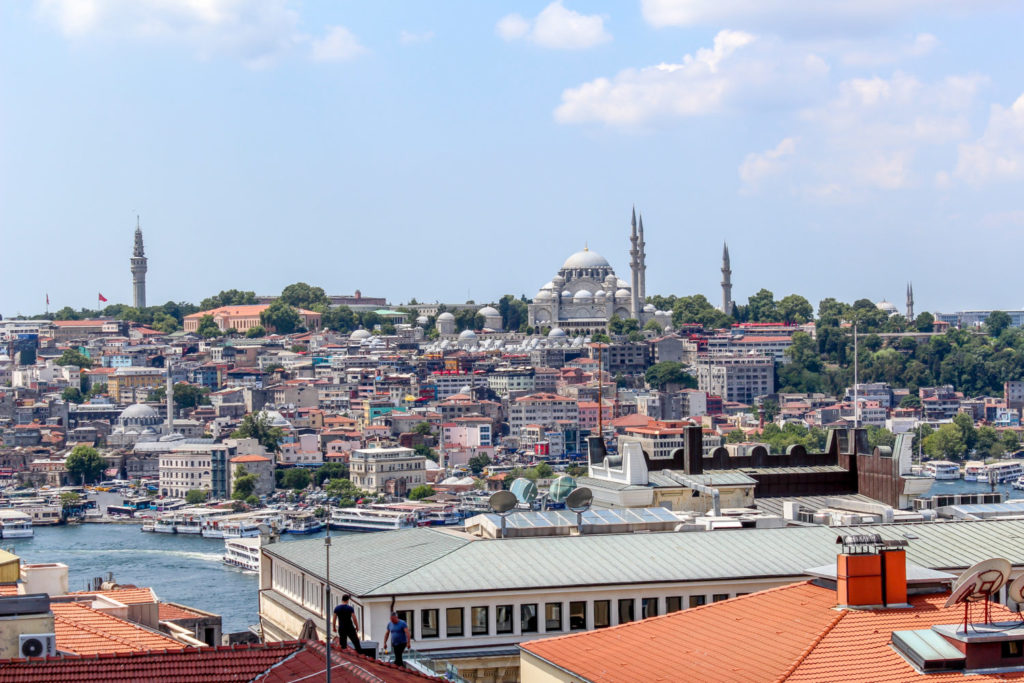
x=543, y=409
x=735, y=377
x=394, y=471
x=196, y=466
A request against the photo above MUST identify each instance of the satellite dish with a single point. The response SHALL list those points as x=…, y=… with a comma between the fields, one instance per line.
x=502, y=501
x=524, y=490
x=561, y=488
x=579, y=499
x=980, y=581
x=1016, y=590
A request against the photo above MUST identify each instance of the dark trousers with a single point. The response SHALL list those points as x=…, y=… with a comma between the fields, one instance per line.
x=346, y=633
x=399, y=649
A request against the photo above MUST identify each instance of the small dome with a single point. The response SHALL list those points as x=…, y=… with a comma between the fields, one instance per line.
x=360, y=335
x=567, y=294
x=276, y=419
x=622, y=294
x=649, y=308
x=549, y=285
x=139, y=411
x=585, y=259
x=600, y=294
x=488, y=311
x=467, y=334
x=887, y=307
x=543, y=295
x=557, y=332
x=621, y=284
x=582, y=294
x=446, y=316
x=422, y=320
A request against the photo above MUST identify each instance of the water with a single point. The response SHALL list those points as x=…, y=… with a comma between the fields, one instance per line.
x=181, y=568
x=949, y=486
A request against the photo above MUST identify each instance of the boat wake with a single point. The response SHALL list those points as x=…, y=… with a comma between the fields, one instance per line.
x=185, y=554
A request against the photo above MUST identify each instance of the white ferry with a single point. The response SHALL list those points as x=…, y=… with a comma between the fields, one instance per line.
x=243, y=553
x=975, y=470
x=15, y=524
x=942, y=469
x=165, y=524
x=1018, y=484
x=372, y=519
x=306, y=523
x=1002, y=472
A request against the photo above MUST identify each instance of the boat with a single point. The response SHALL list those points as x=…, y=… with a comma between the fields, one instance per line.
x=166, y=524
x=975, y=470
x=305, y=523
x=942, y=469
x=1002, y=472
x=243, y=553
x=371, y=519
x=1018, y=484
x=15, y=524
x=148, y=525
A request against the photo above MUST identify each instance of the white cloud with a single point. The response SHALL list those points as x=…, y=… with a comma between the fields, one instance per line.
x=998, y=155
x=880, y=52
x=413, y=38
x=759, y=166
x=339, y=45
x=556, y=27
x=739, y=69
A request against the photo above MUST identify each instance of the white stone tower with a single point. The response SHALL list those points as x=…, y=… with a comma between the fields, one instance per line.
x=138, y=269
x=634, y=269
x=910, y=301
x=727, y=302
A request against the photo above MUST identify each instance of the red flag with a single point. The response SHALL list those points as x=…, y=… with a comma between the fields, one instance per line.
x=102, y=298
x=47, y=298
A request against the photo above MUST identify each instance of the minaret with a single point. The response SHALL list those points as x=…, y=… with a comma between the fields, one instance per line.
x=643, y=265
x=634, y=267
x=138, y=269
x=910, y=301
x=727, y=304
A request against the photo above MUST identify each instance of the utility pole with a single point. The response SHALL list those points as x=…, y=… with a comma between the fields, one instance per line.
x=856, y=402
x=329, y=614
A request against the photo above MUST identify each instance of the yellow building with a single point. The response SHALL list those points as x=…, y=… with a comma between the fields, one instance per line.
x=132, y=385
x=244, y=318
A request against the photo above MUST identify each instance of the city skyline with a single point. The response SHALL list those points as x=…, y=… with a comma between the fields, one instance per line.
x=840, y=155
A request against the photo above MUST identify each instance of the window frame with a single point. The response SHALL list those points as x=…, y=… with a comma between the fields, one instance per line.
x=423, y=623
x=473, y=628
x=523, y=608
x=461, y=612
x=678, y=599
x=511, y=628
x=559, y=608
x=584, y=626
x=648, y=608
x=629, y=603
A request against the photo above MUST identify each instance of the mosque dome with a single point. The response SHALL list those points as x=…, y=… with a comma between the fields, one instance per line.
x=621, y=284
x=276, y=419
x=446, y=316
x=543, y=295
x=360, y=335
x=467, y=335
x=488, y=310
x=422, y=320
x=466, y=390
x=600, y=294
x=139, y=412
x=585, y=259
x=887, y=307
x=649, y=308
x=622, y=294
x=582, y=294
x=567, y=294
x=549, y=285
x=556, y=332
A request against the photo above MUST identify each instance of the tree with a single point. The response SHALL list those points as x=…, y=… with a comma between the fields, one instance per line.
x=880, y=436
x=544, y=471
x=207, y=327
x=257, y=331
x=422, y=428
x=795, y=309
x=967, y=431
x=910, y=401
x=478, y=462
x=736, y=436
x=185, y=395
x=668, y=372
x=1010, y=441
x=426, y=451
x=420, y=492
x=74, y=357
x=761, y=307
x=653, y=326
x=281, y=318
x=230, y=297
x=996, y=322
x=245, y=484
x=257, y=426
x=69, y=499
x=329, y=472
x=946, y=443
x=514, y=312
x=301, y=295
x=346, y=493
x=925, y=322
x=340, y=319
x=195, y=496
x=85, y=464
x=72, y=395
x=295, y=478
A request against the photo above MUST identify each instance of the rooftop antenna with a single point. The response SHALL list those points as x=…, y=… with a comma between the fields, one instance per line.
x=579, y=501
x=1015, y=592
x=502, y=503
x=979, y=582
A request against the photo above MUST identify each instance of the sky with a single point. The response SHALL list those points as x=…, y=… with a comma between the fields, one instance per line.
x=462, y=150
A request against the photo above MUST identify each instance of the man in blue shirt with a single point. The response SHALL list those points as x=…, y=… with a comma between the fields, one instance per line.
x=346, y=624
x=398, y=632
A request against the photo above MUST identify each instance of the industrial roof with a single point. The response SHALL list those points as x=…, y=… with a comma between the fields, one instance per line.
x=427, y=561
x=592, y=519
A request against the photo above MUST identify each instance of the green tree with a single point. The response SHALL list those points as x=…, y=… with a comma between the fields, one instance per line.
x=988, y=444
x=925, y=322
x=281, y=318
x=245, y=484
x=478, y=462
x=195, y=496
x=668, y=372
x=601, y=337
x=257, y=331
x=880, y=436
x=69, y=499
x=329, y=472
x=257, y=426
x=946, y=442
x=910, y=401
x=207, y=327
x=230, y=297
x=697, y=309
x=85, y=464
x=795, y=309
x=544, y=471
x=1010, y=441
x=301, y=295
x=72, y=395
x=420, y=492
x=996, y=322
x=761, y=307
x=426, y=451
x=185, y=395
x=340, y=319
x=653, y=326
x=74, y=357
x=514, y=312
x=296, y=479
x=422, y=428
x=346, y=493
x=736, y=436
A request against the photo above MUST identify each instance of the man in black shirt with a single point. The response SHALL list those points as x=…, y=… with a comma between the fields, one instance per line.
x=345, y=623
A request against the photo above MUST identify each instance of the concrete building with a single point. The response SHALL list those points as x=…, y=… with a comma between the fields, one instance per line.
x=196, y=466
x=394, y=471
x=259, y=465
x=542, y=409
x=739, y=378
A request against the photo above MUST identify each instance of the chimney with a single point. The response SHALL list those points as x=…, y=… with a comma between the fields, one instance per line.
x=50, y=578
x=871, y=572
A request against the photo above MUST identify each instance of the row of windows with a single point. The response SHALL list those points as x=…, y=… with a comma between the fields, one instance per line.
x=553, y=616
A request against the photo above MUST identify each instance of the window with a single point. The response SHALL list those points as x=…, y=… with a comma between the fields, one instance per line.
x=673, y=603
x=698, y=600
x=428, y=623
x=626, y=607
x=577, y=616
x=648, y=607
x=503, y=619
x=453, y=622
x=528, y=618
x=478, y=621
x=1012, y=648
x=718, y=597
x=406, y=615
x=553, y=616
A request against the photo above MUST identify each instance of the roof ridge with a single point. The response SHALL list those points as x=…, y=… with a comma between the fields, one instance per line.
x=810, y=648
x=462, y=544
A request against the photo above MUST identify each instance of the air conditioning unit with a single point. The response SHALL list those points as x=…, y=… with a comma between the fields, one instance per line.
x=37, y=644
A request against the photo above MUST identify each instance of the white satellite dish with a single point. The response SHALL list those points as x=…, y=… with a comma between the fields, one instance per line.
x=980, y=581
x=1016, y=590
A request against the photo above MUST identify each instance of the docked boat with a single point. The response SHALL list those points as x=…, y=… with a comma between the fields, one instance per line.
x=1018, y=484
x=371, y=519
x=305, y=523
x=975, y=470
x=941, y=469
x=1002, y=472
x=243, y=553
x=165, y=524
x=15, y=524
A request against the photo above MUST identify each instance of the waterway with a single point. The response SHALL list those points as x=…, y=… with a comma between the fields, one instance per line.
x=948, y=486
x=181, y=568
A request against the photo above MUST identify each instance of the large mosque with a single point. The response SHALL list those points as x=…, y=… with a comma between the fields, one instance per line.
x=586, y=293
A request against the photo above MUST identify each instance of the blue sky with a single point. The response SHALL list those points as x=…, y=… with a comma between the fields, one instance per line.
x=464, y=149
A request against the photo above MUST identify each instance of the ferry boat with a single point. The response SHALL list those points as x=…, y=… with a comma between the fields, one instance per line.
x=942, y=469
x=306, y=523
x=975, y=470
x=243, y=553
x=1002, y=472
x=372, y=519
x=1018, y=484
x=15, y=524
x=165, y=524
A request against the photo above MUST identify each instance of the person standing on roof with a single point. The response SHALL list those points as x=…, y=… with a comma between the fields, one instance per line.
x=346, y=624
x=398, y=632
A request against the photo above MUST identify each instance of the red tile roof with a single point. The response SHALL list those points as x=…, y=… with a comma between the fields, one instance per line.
x=250, y=458
x=170, y=612
x=128, y=595
x=82, y=630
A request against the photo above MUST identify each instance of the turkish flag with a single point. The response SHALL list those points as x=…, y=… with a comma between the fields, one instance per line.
x=102, y=298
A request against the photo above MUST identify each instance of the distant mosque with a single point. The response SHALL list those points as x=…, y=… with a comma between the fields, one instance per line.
x=586, y=293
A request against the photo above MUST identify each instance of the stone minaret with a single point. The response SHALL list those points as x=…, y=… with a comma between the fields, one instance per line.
x=138, y=269
x=643, y=265
x=910, y=301
x=634, y=268
x=727, y=303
